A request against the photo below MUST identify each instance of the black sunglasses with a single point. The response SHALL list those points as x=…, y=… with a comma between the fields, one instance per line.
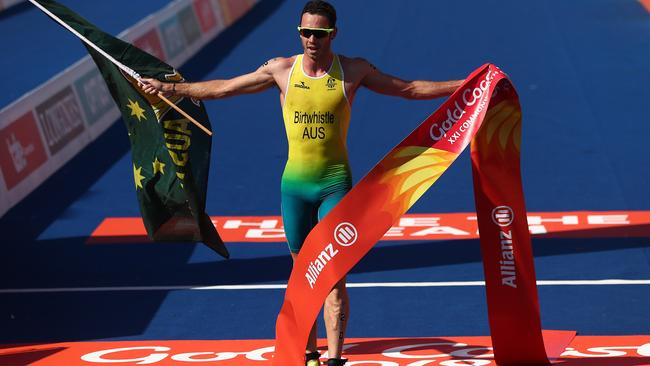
x=316, y=32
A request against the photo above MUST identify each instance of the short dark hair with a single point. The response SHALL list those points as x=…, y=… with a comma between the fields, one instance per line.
x=320, y=7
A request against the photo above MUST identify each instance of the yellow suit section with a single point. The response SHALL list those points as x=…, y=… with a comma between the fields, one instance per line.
x=316, y=115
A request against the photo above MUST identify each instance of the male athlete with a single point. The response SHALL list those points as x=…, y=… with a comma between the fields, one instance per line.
x=316, y=93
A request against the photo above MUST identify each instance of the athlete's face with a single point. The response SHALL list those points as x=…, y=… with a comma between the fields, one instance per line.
x=316, y=47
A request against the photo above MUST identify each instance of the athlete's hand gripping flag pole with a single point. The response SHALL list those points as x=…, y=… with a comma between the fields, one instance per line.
x=122, y=67
x=484, y=111
x=171, y=157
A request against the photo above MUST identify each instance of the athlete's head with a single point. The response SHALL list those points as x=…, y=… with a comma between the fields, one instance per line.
x=319, y=7
x=317, y=28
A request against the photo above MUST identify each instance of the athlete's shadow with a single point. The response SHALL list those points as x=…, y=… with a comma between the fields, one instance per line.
x=65, y=263
x=443, y=253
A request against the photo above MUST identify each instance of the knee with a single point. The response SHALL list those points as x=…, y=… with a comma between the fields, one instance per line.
x=334, y=299
x=337, y=298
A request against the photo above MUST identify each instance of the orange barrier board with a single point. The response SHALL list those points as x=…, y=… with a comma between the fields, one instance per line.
x=412, y=227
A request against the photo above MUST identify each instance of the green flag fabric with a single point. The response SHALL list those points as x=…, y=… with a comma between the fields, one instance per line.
x=171, y=156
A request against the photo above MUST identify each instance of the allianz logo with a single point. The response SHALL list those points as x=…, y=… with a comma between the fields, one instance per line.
x=503, y=216
x=345, y=235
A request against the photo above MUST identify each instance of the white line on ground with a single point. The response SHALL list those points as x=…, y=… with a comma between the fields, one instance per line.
x=283, y=286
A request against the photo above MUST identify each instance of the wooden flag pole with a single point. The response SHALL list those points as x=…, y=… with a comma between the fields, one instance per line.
x=132, y=73
x=179, y=110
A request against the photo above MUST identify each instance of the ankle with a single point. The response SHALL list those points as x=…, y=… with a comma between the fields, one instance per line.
x=336, y=361
x=312, y=358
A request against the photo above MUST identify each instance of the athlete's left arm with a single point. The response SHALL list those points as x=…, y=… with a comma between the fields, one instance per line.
x=382, y=83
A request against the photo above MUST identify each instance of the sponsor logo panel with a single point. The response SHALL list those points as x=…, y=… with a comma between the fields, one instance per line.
x=233, y=9
x=94, y=96
x=173, y=36
x=444, y=351
x=225, y=11
x=150, y=43
x=21, y=150
x=6, y=4
x=412, y=227
x=9, y=3
x=60, y=119
x=207, y=18
x=189, y=24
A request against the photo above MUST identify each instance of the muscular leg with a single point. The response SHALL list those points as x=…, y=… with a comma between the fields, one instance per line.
x=335, y=313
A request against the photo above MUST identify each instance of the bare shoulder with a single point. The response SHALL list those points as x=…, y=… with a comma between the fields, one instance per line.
x=277, y=65
x=356, y=66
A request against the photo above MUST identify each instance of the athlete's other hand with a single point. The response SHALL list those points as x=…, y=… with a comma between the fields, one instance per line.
x=150, y=86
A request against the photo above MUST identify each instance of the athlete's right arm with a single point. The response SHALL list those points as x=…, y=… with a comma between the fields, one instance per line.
x=259, y=80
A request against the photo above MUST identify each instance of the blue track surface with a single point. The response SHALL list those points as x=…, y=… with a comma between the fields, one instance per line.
x=582, y=74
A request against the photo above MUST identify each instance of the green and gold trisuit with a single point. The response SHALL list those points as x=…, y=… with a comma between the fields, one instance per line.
x=316, y=115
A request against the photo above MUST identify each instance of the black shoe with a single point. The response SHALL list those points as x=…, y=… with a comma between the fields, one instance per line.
x=312, y=359
x=336, y=361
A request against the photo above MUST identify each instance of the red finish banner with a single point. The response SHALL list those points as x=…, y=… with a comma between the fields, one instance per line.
x=484, y=111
